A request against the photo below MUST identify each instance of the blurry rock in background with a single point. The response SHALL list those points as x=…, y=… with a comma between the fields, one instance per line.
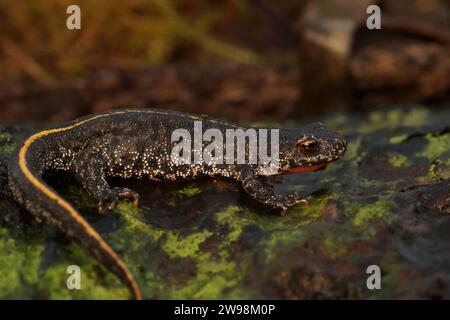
x=325, y=40
x=229, y=90
x=245, y=59
x=409, y=60
x=344, y=63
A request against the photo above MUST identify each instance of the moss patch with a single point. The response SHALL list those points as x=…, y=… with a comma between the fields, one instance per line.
x=367, y=213
x=398, y=160
x=7, y=145
x=437, y=145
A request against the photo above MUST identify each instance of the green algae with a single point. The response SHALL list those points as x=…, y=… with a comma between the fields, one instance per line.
x=353, y=149
x=213, y=278
x=21, y=272
x=436, y=146
x=189, y=191
x=367, y=213
x=437, y=151
x=439, y=171
x=214, y=274
x=290, y=231
x=411, y=117
x=134, y=224
x=14, y=281
x=7, y=145
x=235, y=223
x=335, y=244
x=209, y=285
x=398, y=139
x=398, y=160
x=183, y=247
x=106, y=286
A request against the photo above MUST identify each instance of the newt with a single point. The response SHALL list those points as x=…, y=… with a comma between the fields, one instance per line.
x=137, y=144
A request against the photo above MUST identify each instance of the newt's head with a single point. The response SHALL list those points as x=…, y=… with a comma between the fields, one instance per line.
x=309, y=148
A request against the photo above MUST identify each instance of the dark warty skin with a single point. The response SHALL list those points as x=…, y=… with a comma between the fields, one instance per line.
x=137, y=144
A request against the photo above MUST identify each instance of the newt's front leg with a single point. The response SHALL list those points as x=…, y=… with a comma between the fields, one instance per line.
x=91, y=174
x=263, y=192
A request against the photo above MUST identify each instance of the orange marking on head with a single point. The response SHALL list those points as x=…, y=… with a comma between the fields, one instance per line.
x=305, y=169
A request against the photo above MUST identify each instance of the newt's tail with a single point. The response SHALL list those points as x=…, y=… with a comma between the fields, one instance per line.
x=41, y=200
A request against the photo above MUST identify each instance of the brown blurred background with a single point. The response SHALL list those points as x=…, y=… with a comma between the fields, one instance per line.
x=240, y=59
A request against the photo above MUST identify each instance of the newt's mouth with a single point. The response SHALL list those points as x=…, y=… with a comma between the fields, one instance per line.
x=305, y=169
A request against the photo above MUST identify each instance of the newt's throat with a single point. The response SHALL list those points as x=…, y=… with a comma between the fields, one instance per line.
x=305, y=169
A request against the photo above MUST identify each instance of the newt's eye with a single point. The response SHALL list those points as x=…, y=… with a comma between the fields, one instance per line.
x=307, y=144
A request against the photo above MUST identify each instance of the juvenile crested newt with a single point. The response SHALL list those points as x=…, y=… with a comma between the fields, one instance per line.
x=137, y=144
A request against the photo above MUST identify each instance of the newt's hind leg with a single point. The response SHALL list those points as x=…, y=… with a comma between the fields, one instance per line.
x=92, y=176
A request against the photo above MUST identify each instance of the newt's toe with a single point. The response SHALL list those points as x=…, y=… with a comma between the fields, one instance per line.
x=125, y=193
x=105, y=206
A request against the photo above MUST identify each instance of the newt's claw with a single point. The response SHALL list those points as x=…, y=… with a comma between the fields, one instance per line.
x=105, y=206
